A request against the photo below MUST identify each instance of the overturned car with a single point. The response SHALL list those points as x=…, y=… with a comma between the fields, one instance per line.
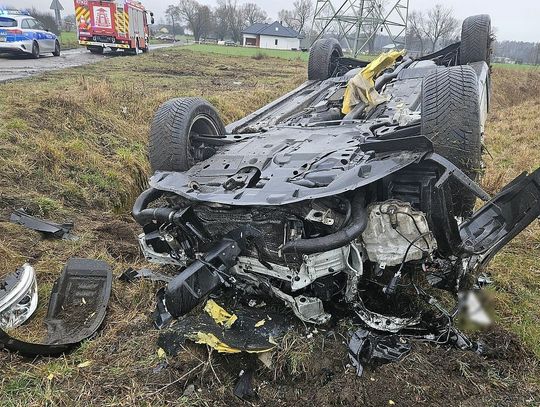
x=354, y=192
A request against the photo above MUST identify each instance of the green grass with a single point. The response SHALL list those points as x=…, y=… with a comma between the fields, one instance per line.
x=249, y=52
x=68, y=40
x=259, y=53
x=517, y=67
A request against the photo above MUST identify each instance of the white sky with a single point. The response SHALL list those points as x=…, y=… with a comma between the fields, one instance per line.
x=513, y=20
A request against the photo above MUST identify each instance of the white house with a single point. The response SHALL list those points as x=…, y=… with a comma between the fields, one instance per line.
x=275, y=35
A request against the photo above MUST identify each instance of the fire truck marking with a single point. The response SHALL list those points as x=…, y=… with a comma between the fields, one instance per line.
x=122, y=21
x=102, y=17
x=82, y=15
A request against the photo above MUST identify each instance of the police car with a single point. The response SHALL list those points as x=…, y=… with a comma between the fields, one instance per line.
x=20, y=33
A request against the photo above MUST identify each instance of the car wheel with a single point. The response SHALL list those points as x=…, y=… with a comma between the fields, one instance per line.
x=96, y=50
x=35, y=50
x=323, y=59
x=451, y=120
x=174, y=144
x=475, y=39
x=56, y=52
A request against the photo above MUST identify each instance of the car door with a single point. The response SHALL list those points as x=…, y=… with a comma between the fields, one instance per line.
x=45, y=39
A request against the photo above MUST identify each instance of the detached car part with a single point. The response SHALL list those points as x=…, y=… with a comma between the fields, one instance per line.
x=77, y=309
x=48, y=228
x=18, y=297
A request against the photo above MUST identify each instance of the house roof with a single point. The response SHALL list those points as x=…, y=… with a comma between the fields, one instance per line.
x=275, y=30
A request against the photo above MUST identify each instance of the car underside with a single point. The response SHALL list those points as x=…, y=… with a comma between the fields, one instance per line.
x=356, y=192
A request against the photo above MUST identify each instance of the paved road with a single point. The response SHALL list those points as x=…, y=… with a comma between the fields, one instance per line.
x=16, y=67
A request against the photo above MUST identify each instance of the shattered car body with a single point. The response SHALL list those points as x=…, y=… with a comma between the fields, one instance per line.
x=323, y=207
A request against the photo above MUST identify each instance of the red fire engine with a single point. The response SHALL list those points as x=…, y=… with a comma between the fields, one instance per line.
x=114, y=24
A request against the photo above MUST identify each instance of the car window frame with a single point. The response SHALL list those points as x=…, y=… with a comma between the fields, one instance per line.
x=12, y=19
x=38, y=25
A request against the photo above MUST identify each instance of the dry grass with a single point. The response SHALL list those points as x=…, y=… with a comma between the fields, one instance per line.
x=513, y=139
x=73, y=146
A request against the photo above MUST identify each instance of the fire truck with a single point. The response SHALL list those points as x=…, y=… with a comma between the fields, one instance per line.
x=114, y=24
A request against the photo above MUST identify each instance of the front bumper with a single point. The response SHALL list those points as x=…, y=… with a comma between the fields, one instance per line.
x=103, y=44
x=16, y=47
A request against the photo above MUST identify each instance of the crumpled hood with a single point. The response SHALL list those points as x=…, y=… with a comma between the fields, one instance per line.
x=285, y=165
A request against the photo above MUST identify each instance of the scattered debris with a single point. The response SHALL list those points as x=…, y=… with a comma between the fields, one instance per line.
x=224, y=331
x=47, y=227
x=244, y=385
x=131, y=275
x=368, y=347
x=161, y=317
x=77, y=309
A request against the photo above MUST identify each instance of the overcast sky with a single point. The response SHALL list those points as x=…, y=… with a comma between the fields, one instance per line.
x=513, y=20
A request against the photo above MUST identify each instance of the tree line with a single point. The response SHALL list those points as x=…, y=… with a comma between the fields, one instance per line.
x=229, y=18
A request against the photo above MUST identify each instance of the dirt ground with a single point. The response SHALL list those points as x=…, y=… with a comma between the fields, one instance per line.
x=84, y=161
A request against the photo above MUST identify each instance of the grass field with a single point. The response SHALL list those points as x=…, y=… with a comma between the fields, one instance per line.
x=73, y=146
x=518, y=67
x=68, y=40
x=249, y=52
x=258, y=53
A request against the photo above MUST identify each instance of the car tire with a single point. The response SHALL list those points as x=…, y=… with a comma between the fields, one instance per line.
x=172, y=146
x=96, y=50
x=56, y=52
x=451, y=120
x=35, y=50
x=475, y=39
x=323, y=59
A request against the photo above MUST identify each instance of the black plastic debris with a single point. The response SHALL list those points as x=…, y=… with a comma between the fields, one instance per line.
x=76, y=311
x=131, y=275
x=244, y=385
x=47, y=227
x=161, y=317
x=251, y=330
x=369, y=348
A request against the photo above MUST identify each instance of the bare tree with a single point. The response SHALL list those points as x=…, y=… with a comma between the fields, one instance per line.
x=440, y=24
x=253, y=14
x=286, y=17
x=173, y=15
x=236, y=20
x=46, y=19
x=298, y=17
x=303, y=9
x=197, y=16
x=415, y=29
x=221, y=21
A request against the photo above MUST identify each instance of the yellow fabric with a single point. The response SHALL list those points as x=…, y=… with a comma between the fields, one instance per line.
x=361, y=88
x=219, y=314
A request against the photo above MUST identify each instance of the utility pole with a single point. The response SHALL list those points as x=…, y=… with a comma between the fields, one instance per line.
x=357, y=22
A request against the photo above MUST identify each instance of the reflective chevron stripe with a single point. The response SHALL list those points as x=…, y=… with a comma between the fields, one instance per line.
x=122, y=21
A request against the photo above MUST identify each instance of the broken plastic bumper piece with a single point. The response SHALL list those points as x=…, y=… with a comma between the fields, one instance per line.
x=77, y=309
x=18, y=297
x=47, y=227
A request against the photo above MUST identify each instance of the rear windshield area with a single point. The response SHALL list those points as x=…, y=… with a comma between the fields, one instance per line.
x=7, y=22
